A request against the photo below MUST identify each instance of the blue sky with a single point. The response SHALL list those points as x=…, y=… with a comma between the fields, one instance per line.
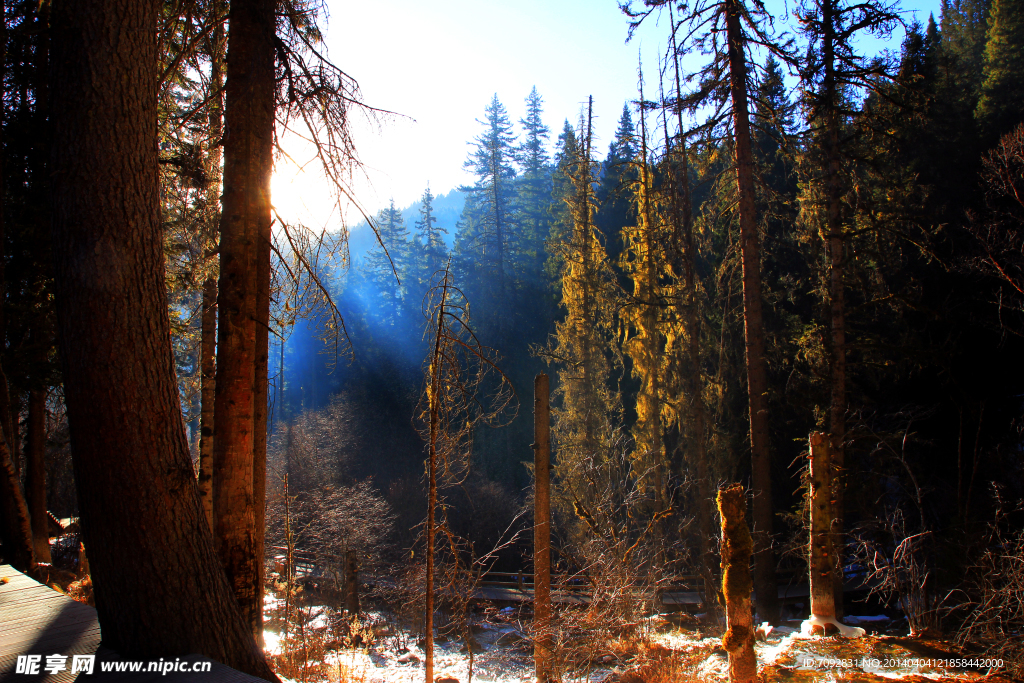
x=439, y=63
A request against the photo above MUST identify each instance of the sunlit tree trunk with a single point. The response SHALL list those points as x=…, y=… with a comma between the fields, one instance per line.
x=753, y=324
x=159, y=588
x=245, y=219
x=736, y=549
x=821, y=558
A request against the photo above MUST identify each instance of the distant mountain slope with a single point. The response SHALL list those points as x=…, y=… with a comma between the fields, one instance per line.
x=447, y=209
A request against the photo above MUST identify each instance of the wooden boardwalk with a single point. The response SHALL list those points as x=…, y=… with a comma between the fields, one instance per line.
x=37, y=620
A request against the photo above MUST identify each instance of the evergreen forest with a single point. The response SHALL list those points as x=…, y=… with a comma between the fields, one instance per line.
x=792, y=242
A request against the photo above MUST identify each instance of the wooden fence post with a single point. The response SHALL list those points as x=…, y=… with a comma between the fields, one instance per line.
x=542, y=529
x=737, y=547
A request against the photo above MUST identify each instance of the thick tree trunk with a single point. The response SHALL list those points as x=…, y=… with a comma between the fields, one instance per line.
x=821, y=560
x=542, y=529
x=208, y=339
x=245, y=216
x=737, y=546
x=158, y=585
x=765, y=583
x=35, y=482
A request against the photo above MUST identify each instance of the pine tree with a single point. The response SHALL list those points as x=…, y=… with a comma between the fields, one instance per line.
x=1001, y=105
x=617, y=175
x=588, y=408
x=534, y=184
x=649, y=331
x=832, y=68
x=489, y=228
x=387, y=266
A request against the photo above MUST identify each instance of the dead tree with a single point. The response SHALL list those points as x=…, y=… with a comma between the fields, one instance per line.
x=457, y=368
x=737, y=547
x=822, y=555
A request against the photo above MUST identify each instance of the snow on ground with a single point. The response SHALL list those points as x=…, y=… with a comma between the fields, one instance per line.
x=506, y=657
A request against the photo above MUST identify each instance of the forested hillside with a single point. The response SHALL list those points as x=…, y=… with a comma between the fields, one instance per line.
x=788, y=233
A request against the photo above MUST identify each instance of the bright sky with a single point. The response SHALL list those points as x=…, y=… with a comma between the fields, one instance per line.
x=439, y=63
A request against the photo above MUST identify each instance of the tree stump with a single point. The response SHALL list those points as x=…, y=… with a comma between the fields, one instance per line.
x=737, y=547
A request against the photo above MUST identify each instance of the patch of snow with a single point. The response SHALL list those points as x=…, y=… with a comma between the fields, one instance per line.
x=807, y=627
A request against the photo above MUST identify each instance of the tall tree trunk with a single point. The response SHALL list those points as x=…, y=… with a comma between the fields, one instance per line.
x=158, y=585
x=765, y=584
x=208, y=339
x=35, y=482
x=245, y=217
x=260, y=391
x=542, y=529
x=686, y=250
x=836, y=294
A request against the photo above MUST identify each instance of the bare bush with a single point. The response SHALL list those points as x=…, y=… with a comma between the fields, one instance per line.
x=995, y=617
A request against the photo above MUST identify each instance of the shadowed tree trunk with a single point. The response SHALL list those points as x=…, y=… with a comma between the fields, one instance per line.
x=753, y=325
x=208, y=339
x=158, y=585
x=245, y=220
x=35, y=482
x=208, y=383
x=16, y=530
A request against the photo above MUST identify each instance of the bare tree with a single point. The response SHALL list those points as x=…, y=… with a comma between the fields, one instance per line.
x=458, y=369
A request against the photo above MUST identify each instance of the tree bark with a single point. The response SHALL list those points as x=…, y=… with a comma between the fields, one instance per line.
x=542, y=529
x=765, y=583
x=834, y=240
x=16, y=530
x=158, y=586
x=35, y=482
x=737, y=546
x=259, y=410
x=208, y=339
x=821, y=559
x=245, y=217
x=208, y=383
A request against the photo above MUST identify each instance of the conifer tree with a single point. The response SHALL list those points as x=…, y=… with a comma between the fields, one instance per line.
x=534, y=183
x=1001, y=103
x=588, y=410
x=649, y=329
x=725, y=30
x=489, y=230
x=387, y=265
x=833, y=67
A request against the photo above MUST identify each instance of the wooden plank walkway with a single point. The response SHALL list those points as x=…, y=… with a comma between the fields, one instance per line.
x=37, y=620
